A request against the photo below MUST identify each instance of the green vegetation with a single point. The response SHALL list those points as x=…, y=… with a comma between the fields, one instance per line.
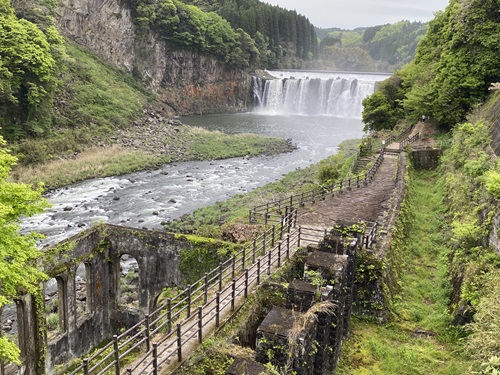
x=204, y=256
x=56, y=99
x=216, y=145
x=240, y=33
x=469, y=174
x=96, y=96
x=183, y=143
x=454, y=66
x=18, y=253
x=395, y=43
x=28, y=67
x=421, y=339
x=381, y=109
x=93, y=163
x=96, y=101
x=378, y=48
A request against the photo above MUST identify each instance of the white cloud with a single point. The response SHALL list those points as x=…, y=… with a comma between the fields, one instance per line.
x=350, y=14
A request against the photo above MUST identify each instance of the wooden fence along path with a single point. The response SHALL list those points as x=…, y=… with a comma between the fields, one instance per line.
x=272, y=211
x=165, y=336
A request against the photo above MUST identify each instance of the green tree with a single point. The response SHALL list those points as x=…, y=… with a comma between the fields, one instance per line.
x=18, y=253
x=377, y=112
x=382, y=110
x=27, y=67
x=455, y=62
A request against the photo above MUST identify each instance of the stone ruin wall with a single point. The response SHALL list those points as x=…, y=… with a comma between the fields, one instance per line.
x=100, y=250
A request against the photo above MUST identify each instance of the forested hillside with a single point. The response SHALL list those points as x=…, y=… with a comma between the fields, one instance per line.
x=378, y=48
x=282, y=36
x=455, y=64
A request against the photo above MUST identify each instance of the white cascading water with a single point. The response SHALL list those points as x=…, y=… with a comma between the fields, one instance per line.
x=314, y=93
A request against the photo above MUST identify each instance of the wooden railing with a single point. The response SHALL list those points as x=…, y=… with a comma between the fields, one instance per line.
x=272, y=211
x=167, y=333
x=358, y=155
x=409, y=140
x=197, y=305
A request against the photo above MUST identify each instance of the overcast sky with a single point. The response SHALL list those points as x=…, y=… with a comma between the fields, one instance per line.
x=349, y=14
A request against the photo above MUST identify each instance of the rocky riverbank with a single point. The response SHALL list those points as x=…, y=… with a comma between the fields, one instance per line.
x=156, y=134
x=146, y=144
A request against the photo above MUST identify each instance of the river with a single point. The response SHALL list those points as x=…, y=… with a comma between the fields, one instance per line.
x=146, y=199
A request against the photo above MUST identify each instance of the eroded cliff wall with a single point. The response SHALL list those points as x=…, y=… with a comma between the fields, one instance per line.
x=186, y=81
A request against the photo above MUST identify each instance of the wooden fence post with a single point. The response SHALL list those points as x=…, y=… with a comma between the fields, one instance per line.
x=279, y=254
x=233, y=294
x=86, y=366
x=179, y=343
x=217, y=309
x=264, y=243
x=243, y=258
x=146, y=320
x=188, y=292
x=298, y=238
x=117, y=354
x=200, y=325
x=246, y=284
x=155, y=358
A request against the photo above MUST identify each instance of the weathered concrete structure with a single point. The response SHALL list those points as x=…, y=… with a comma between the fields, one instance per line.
x=426, y=157
x=100, y=250
x=304, y=336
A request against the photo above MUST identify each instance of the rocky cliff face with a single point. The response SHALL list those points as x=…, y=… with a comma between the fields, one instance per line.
x=186, y=81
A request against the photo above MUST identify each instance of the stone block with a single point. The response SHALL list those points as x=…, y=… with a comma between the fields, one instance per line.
x=244, y=366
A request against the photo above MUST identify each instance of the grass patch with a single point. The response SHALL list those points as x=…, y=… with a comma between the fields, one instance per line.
x=421, y=340
x=97, y=93
x=217, y=145
x=93, y=163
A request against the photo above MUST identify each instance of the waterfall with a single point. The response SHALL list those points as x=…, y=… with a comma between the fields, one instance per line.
x=314, y=93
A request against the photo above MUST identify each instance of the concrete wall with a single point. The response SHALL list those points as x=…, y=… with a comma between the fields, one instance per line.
x=100, y=249
x=426, y=158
